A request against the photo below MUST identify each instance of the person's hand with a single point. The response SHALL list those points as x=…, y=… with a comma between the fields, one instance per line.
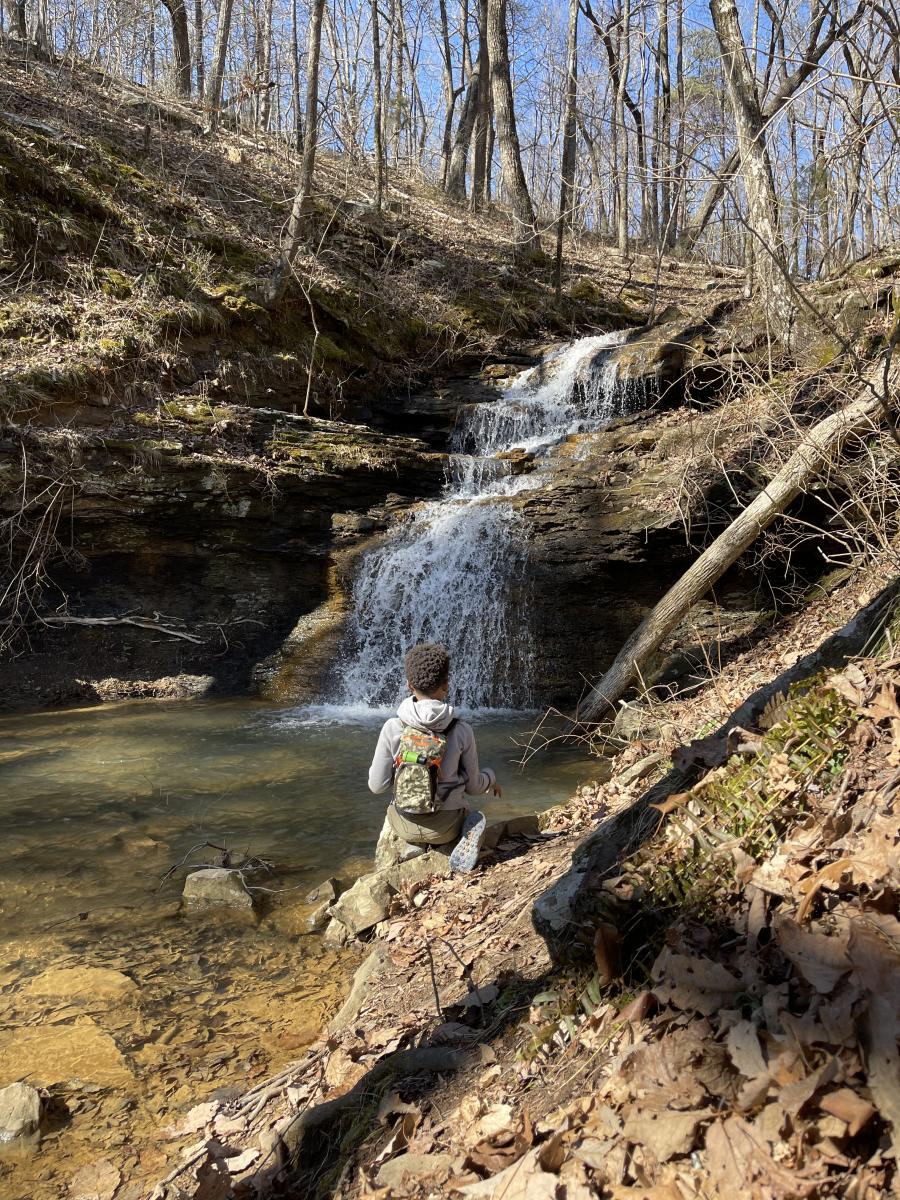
x=496, y=789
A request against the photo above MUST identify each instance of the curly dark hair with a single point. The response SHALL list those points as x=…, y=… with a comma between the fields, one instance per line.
x=427, y=666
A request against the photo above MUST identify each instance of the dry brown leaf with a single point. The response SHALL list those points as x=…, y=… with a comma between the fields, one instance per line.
x=693, y=983
x=391, y=1105
x=876, y=853
x=771, y=876
x=744, y=1048
x=884, y=706
x=848, y=1107
x=497, y=1122
x=196, y=1119
x=851, y=690
x=524, y=1180
x=659, y=1191
x=875, y=954
x=664, y=1134
x=793, y=1096
x=819, y=958
x=740, y=1164
x=639, y=1008
x=754, y=1092
x=831, y=873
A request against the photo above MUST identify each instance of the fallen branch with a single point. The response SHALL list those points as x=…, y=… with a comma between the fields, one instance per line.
x=139, y=622
x=816, y=449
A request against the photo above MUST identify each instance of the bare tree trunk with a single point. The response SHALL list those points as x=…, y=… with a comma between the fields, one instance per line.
x=378, y=116
x=295, y=77
x=217, y=73
x=451, y=94
x=567, y=173
x=265, y=65
x=756, y=168
x=622, y=180
x=18, y=18
x=300, y=210
x=181, y=46
x=664, y=127
x=482, y=112
x=459, y=157
x=199, y=70
x=817, y=448
x=809, y=62
x=527, y=238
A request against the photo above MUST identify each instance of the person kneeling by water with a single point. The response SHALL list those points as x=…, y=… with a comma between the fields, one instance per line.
x=429, y=757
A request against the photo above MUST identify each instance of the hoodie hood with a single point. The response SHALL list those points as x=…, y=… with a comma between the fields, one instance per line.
x=431, y=716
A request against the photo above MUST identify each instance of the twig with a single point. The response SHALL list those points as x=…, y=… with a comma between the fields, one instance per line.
x=437, y=995
x=139, y=622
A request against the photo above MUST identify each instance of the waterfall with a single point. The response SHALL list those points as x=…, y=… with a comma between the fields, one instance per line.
x=454, y=571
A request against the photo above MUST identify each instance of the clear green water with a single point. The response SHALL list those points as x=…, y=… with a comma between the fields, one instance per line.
x=84, y=790
x=96, y=805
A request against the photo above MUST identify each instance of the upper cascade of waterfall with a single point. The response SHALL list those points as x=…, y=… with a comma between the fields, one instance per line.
x=455, y=570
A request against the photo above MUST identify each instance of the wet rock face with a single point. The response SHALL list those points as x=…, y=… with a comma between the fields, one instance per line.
x=228, y=532
x=603, y=547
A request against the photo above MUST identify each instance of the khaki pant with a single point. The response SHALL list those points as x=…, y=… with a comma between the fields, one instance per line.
x=427, y=829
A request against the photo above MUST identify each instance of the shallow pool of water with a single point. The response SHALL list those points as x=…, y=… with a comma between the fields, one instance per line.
x=97, y=806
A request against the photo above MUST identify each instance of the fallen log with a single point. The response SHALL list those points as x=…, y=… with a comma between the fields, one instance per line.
x=575, y=900
x=817, y=447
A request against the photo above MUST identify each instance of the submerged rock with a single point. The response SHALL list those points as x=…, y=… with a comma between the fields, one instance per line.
x=20, y=1113
x=97, y=984
x=318, y=919
x=76, y=1054
x=216, y=887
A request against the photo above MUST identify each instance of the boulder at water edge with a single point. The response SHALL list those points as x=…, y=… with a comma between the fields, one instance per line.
x=20, y=1113
x=365, y=904
x=216, y=887
x=325, y=892
x=392, y=849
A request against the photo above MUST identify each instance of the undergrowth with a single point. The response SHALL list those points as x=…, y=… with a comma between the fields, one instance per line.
x=691, y=869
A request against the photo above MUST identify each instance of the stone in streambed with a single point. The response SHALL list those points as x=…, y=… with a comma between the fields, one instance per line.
x=365, y=904
x=216, y=887
x=327, y=891
x=96, y=984
x=20, y=1113
x=73, y=1054
x=318, y=919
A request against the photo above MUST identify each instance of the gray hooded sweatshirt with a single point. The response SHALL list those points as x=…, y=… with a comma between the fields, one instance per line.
x=459, y=773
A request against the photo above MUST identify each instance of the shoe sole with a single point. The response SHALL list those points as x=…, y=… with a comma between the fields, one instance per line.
x=464, y=855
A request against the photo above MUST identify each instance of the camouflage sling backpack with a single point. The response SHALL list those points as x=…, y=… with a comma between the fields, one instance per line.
x=416, y=765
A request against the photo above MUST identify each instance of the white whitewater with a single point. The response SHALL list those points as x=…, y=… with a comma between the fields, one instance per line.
x=454, y=570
